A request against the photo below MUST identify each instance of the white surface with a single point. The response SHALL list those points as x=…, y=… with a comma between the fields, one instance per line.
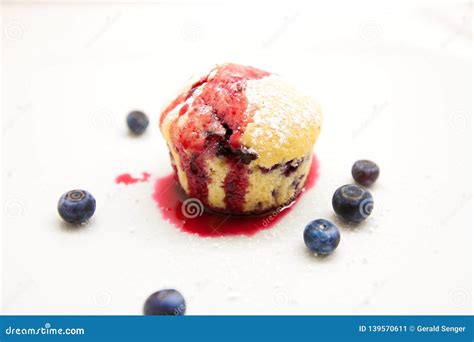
x=395, y=86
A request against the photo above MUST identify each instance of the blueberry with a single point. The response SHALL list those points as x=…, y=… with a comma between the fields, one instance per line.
x=291, y=166
x=76, y=206
x=352, y=203
x=246, y=156
x=365, y=172
x=137, y=122
x=165, y=303
x=321, y=236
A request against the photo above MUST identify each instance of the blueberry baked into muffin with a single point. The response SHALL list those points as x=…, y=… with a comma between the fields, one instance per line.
x=241, y=139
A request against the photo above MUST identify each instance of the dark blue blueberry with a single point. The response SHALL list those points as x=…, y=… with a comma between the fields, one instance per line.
x=365, y=172
x=137, y=122
x=353, y=203
x=76, y=206
x=321, y=236
x=292, y=166
x=246, y=156
x=165, y=303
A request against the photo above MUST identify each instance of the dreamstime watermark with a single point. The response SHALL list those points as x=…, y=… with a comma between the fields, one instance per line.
x=102, y=118
x=366, y=207
x=13, y=30
x=47, y=329
x=370, y=31
x=464, y=27
x=287, y=21
x=459, y=120
x=268, y=219
x=23, y=109
x=14, y=208
x=282, y=297
x=109, y=21
x=180, y=310
x=103, y=298
x=377, y=110
x=459, y=296
x=192, y=208
x=375, y=291
x=192, y=31
x=20, y=288
x=465, y=199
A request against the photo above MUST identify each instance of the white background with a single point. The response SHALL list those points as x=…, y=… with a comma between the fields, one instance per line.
x=394, y=81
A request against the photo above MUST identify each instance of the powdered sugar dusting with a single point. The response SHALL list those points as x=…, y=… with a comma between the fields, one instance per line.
x=283, y=120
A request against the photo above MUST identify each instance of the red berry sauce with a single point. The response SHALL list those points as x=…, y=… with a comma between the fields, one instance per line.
x=235, y=186
x=169, y=198
x=217, y=118
x=127, y=179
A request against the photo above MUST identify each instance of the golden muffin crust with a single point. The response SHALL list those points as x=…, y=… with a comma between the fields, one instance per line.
x=241, y=139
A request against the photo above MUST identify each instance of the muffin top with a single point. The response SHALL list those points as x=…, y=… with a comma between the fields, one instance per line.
x=244, y=110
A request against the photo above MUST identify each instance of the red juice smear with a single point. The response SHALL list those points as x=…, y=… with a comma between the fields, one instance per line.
x=217, y=116
x=192, y=218
x=235, y=186
x=127, y=179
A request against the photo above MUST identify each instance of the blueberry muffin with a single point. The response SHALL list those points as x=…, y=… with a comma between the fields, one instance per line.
x=241, y=139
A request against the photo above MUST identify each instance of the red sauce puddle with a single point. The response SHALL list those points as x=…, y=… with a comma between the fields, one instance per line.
x=127, y=179
x=189, y=216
